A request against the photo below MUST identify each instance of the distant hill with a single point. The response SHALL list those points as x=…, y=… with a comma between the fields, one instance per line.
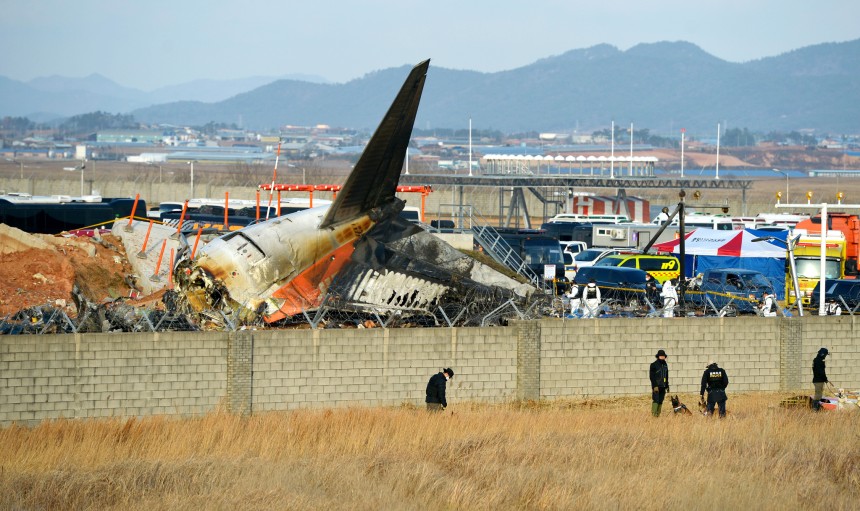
x=662, y=86
x=52, y=97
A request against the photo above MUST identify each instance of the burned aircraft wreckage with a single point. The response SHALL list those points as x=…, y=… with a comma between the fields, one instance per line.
x=355, y=258
x=355, y=253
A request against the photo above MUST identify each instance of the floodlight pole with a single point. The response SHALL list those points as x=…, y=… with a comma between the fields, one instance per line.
x=823, y=232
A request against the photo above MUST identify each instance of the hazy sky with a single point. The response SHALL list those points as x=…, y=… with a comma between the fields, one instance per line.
x=152, y=43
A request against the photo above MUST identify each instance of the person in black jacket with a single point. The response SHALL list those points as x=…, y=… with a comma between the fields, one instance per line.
x=819, y=377
x=436, y=390
x=659, y=374
x=715, y=380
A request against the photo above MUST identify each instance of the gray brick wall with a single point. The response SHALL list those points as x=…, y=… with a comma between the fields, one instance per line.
x=189, y=373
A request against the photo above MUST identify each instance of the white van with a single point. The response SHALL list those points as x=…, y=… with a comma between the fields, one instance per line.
x=589, y=219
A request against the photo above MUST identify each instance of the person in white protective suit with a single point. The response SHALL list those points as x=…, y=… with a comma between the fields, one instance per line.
x=573, y=298
x=832, y=308
x=768, y=305
x=590, y=300
x=670, y=299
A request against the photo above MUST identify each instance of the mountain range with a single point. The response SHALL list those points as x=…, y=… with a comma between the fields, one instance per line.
x=662, y=86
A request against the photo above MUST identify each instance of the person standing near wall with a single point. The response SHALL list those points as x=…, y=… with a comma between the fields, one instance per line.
x=715, y=380
x=819, y=377
x=651, y=291
x=435, y=399
x=573, y=298
x=590, y=300
x=659, y=374
x=670, y=299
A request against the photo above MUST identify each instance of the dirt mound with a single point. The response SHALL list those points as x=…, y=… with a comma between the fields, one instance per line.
x=39, y=270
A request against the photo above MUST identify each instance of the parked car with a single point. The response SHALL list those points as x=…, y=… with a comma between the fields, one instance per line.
x=661, y=267
x=731, y=290
x=573, y=247
x=846, y=289
x=624, y=284
x=590, y=256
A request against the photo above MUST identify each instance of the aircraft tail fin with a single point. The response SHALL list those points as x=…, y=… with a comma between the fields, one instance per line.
x=373, y=181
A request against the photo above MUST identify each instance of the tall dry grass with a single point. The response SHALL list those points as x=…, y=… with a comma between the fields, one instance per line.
x=604, y=454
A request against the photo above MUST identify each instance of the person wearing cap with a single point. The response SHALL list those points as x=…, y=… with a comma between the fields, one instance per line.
x=436, y=400
x=767, y=305
x=659, y=374
x=819, y=377
x=832, y=308
x=715, y=380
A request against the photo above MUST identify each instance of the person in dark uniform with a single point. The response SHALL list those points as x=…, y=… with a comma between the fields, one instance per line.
x=819, y=377
x=715, y=380
x=659, y=382
x=651, y=291
x=436, y=390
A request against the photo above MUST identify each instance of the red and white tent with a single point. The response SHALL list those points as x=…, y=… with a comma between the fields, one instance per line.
x=711, y=242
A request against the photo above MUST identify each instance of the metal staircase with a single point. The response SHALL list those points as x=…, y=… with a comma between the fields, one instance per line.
x=494, y=245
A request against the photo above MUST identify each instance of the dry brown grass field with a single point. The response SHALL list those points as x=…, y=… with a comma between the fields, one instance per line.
x=573, y=454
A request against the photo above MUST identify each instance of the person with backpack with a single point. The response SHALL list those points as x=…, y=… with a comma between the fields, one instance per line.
x=591, y=299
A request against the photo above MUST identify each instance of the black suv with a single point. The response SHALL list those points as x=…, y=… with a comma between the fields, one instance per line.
x=848, y=289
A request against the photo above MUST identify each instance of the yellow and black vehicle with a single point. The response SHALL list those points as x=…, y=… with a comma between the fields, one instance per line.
x=661, y=267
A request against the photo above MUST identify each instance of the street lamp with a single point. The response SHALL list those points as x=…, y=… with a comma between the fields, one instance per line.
x=789, y=244
x=82, y=166
x=192, y=177
x=786, y=182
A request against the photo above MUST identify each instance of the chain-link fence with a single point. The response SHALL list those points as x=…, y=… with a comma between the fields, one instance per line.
x=338, y=312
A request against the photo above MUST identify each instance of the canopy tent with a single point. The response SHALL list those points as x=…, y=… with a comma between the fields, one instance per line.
x=711, y=242
x=709, y=248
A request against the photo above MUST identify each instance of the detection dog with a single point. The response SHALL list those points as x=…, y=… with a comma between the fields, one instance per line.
x=679, y=407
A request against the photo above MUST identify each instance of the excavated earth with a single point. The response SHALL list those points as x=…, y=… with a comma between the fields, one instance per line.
x=39, y=269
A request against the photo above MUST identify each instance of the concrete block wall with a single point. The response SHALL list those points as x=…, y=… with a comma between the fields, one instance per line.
x=600, y=357
x=326, y=368
x=103, y=375
x=190, y=373
x=841, y=336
